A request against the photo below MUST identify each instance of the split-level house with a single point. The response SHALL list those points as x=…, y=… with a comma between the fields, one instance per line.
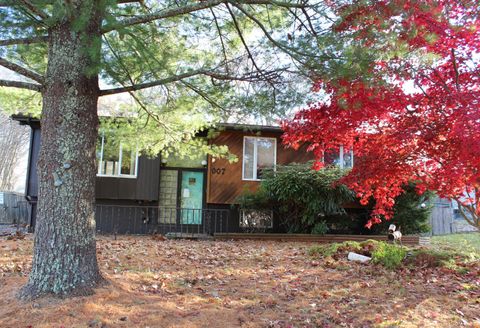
x=139, y=194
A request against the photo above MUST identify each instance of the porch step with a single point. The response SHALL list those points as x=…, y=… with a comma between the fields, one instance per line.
x=184, y=235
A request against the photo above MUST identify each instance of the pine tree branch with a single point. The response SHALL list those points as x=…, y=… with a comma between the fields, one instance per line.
x=200, y=5
x=30, y=6
x=21, y=70
x=289, y=50
x=204, y=95
x=224, y=51
x=20, y=85
x=136, y=87
x=8, y=3
x=261, y=76
x=10, y=42
x=240, y=34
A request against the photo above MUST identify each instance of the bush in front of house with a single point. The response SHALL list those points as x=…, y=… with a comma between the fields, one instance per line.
x=310, y=201
x=320, y=228
x=409, y=214
x=302, y=197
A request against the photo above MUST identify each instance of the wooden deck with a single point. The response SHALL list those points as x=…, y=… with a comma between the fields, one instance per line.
x=406, y=240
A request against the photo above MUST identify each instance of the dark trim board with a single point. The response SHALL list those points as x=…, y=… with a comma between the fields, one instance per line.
x=406, y=240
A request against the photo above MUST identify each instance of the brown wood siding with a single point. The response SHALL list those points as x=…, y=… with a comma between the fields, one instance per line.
x=144, y=187
x=224, y=179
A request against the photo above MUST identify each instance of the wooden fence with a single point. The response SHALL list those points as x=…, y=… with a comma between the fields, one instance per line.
x=14, y=209
x=441, y=220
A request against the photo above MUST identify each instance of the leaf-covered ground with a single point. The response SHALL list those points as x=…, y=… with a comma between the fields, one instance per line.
x=156, y=283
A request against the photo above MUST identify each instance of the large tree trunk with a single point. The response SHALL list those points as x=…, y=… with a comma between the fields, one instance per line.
x=65, y=261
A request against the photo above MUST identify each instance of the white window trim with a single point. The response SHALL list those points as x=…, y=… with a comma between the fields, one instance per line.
x=255, y=157
x=340, y=157
x=119, y=169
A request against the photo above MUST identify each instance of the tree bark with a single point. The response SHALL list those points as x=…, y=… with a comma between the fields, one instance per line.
x=65, y=261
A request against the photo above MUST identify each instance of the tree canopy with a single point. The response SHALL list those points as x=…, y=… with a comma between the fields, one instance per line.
x=405, y=96
x=202, y=61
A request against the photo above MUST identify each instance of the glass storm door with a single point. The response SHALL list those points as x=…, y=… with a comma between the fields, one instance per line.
x=191, y=194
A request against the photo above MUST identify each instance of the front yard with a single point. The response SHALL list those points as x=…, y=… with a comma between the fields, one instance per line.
x=165, y=283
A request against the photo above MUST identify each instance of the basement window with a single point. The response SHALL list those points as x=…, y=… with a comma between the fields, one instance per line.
x=115, y=159
x=256, y=219
x=258, y=154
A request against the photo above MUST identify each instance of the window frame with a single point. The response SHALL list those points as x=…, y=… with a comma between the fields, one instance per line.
x=255, y=155
x=242, y=218
x=119, y=169
x=341, y=158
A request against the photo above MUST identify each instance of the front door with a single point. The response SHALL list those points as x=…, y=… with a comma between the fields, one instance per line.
x=191, y=194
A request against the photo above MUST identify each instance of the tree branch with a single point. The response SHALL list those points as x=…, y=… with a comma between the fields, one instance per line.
x=454, y=61
x=169, y=12
x=20, y=85
x=177, y=11
x=224, y=51
x=9, y=42
x=237, y=27
x=204, y=95
x=289, y=50
x=8, y=3
x=136, y=87
x=21, y=70
x=217, y=76
x=30, y=6
x=466, y=218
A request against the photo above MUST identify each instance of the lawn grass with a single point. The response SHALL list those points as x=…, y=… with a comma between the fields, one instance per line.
x=466, y=244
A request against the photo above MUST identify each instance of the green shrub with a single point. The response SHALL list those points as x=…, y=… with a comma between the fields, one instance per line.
x=408, y=213
x=389, y=255
x=310, y=201
x=255, y=200
x=302, y=197
x=318, y=250
x=320, y=228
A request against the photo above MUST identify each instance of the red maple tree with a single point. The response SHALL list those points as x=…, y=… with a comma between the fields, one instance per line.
x=414, y=112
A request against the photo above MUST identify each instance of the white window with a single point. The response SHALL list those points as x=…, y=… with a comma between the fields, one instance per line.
x=342, y=158
x=258, y=154
x=256, y=219
x=116, y=160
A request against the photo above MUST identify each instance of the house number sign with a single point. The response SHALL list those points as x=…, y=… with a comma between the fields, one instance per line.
x=217, y=170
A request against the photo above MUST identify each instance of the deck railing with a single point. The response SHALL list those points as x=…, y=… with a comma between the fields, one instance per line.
x=131, y=219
